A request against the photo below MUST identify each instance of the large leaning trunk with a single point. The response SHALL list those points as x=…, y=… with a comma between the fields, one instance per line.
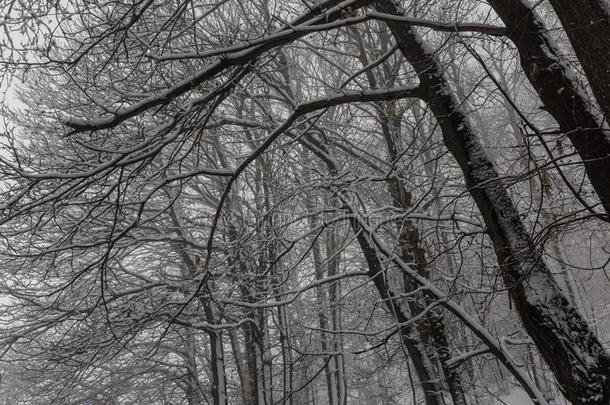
x=565, y=340
x=412, y=342
x=409, y=336
x=371, y=246
x=432, y=326
x=557, y=86
x=587, y=24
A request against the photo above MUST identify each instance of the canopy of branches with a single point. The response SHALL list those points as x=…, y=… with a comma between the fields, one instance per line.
x=296, y=202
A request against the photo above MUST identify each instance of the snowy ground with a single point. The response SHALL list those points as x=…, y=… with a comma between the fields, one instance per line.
x=518, y=397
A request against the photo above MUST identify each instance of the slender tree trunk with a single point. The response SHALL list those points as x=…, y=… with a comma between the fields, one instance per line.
x=329, y=368
x=322, y=302
x=578, y=360
x=432, y=327
x=240, y=365
x=254, y=396
x=219, y=383
x=587, y=24
x=255, y=331
x=287, y=362
x=256, y=381
x=275, y=264
x=190, y=363
x=266, y=358
x=217, y=364
x=334, y=290
x=557, y=85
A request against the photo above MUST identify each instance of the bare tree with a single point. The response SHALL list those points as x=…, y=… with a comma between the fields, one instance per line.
x=277, y=203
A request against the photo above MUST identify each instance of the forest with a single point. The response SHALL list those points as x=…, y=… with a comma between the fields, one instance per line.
x=305, y=202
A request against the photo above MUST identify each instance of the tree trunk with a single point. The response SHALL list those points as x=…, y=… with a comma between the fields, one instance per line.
x=333, y=263
x=587, y=24
x=240, y=365
x=412, y=343
x=256, y=389
x=275, y=263
x=190, y=363
x=558, y=88
x=254, y=395
x=217, y=365
x=575, y=355
x=329, y=368
x=322, y=305
x=409, y=336
x=219, y=383
x=431, y=328
x=370, y=245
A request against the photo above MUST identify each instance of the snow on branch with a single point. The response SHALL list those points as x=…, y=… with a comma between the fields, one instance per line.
x=330, y=12
x=244, y=54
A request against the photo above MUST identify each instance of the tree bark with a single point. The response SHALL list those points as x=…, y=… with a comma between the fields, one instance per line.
x=370, y=246
x=413, y=343
x=217, y=364
x=329, y=370
x=334, y=290
x=190, y=363
x=556, y=84
x=432, y=327
x=578, y=360
x=240, y=365
x=219, y=383
x=587, y=24
x=409, y=336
